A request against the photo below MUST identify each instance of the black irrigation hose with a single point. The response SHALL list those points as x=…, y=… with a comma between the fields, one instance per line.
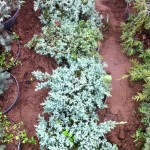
x=19, y=144
x=17, y=97
x=18, y=51
x=126, y=12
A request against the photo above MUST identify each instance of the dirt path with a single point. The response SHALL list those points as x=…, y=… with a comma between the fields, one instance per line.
x=121, y=106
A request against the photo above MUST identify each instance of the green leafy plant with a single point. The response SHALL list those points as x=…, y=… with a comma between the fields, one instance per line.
x=137, y=23
x=69, y=135
x=141, y=71
x=15, y=36
x=69, y=40
x=78, y=88
x=74, y=95
x=10, y=132
x=139, y=137
x=147, y=144
x=74, y=10
x=6, y=60
x=135, y=33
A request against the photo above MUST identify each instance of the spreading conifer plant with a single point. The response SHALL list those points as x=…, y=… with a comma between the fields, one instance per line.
x=74, y=94
x=74, y=10
x=69, y=40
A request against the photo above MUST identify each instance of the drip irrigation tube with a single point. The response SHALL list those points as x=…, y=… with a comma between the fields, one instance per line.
x=10, y=22
x=17, y=97
x=18, y=51
x=126, y=12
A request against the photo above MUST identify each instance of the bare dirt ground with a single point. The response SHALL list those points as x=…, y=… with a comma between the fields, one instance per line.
x=121, y=107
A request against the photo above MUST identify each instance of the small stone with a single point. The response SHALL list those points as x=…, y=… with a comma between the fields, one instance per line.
x=28, y=82
x=115, y=62
x=21, y=42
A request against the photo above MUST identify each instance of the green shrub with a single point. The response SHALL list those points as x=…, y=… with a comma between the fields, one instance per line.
x=134, y=30
x=12, y=132
x=69, y=40
x=137, y=22
x=147, y=144
x=74, y=95
x=74, y=10
x=141, y=72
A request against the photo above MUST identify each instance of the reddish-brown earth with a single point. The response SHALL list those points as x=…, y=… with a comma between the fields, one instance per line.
x=121, y=107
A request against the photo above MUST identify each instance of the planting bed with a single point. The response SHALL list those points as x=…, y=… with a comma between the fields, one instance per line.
x=121, y=107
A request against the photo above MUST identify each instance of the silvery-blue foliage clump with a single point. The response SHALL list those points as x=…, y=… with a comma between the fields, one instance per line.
x=70, y=40
x=74, y=95
x=5, y=39
x=6, y=8
x=4, y=80
x=83, y=84
x=74, y=10
x=82, y=135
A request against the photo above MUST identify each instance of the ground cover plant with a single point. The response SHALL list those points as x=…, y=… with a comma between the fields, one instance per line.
x=135, y=41
x=138, y=22
x=10, y=132
x=72, y=100
x=141, y=72
x=6, y=60
x=76, y=90
x=73, y=10
x=68, y=40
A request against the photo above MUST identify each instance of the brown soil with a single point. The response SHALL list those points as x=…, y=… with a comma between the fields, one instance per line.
x=121, y=106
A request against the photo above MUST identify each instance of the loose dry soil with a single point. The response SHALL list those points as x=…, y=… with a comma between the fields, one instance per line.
x=121, y=107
